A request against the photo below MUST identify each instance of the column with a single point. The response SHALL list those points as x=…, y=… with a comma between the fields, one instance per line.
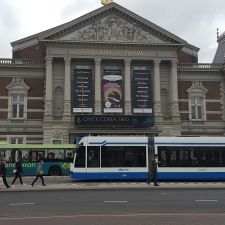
x=127, y=105
x=67, y=89
x=174, y=88
x=98, y=87
x=48, y=87
x=157, y=94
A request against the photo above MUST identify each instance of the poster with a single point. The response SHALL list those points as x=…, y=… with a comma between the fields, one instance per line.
x=112, y=91
x=142, y=91
x=82, y=91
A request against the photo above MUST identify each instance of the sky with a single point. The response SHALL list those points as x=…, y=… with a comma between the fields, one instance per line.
x=195, y=21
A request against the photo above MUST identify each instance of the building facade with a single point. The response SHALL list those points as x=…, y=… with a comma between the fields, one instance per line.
x=109, y=72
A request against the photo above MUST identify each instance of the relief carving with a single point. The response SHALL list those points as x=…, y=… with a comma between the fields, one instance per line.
x=112, y=28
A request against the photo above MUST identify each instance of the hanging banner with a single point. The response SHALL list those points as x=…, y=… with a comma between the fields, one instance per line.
x=82, y=91
x=112, y=91
x=142, y=91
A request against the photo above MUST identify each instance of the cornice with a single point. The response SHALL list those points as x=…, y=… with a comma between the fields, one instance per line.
x=112, y=44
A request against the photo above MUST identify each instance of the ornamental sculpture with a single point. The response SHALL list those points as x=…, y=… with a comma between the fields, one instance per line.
x=106, y=2
x=113, y=28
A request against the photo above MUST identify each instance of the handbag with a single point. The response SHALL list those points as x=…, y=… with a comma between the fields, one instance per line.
x=14, y=171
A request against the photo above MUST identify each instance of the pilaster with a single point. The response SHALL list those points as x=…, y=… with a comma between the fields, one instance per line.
x=98, y=105
x=127, y=106
x=48, y=87
x=67, y=89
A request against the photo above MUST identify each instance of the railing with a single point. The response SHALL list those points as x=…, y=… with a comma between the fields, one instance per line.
x=5, y=61
x=201, y=66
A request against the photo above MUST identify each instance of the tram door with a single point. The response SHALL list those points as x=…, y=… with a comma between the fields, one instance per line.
x=93, y=162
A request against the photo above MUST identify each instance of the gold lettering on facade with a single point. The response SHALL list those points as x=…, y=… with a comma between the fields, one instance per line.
x=111, y=52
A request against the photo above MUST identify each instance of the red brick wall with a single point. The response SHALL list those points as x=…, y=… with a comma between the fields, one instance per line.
x=36, y=52
x=3, y=83
x=186, y=58
x=36, y=86
x=34, y=115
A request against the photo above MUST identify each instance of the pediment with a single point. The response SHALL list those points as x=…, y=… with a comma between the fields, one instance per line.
x=112, y=23
x=112, y=28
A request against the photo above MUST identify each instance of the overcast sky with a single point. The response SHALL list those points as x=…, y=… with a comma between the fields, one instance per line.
x=195, y=21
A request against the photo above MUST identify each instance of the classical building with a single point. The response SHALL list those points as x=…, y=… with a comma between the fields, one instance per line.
x=109, y=72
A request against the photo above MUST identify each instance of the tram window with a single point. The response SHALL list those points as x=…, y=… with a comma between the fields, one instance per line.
x=112, y=156
x=135, y=156
x=80, y=157
x=93, y=156
x=123, y=156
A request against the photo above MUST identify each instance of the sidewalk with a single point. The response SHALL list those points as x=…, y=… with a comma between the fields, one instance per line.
x=69, y=185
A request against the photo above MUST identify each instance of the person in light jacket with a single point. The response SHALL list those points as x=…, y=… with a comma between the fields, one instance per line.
x=39, y=173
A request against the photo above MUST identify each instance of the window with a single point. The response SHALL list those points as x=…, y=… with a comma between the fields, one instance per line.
x=196, y=108
x=196, y=99
x=80, y=157
x=17, y=106
x=16, y=140
x=123, y=156
x=93, y=156
x=18, y=91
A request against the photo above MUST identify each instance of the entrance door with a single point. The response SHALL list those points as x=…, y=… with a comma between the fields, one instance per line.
x=93, y=163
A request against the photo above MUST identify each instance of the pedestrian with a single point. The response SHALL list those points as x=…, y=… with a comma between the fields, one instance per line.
x=3, y=172
x=154, y=169
x=18, y=171
x=39, y=173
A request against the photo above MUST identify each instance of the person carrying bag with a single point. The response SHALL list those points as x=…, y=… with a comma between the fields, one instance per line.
x=39, y=173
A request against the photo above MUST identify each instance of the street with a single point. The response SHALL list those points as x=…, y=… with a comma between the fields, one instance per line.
x=127, y=207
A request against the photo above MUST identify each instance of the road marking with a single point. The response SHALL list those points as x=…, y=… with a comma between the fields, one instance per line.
x=22, y=203
x=206, y=200
x=115, y=201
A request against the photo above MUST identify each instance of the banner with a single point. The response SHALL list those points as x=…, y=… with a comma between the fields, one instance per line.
x=142, y=92
x=82, y=91
x=112, y=121
x=112, y=91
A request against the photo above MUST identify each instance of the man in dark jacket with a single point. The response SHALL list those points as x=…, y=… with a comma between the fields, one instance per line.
x=18, y=171
x=155, y=163
x=3, y=172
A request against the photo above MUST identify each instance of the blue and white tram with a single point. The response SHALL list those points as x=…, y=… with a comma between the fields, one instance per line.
x=191, y=158
x=111, y=158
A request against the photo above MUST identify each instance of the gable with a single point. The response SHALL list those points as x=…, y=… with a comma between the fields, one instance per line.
x=112, y=28
x=110, y=23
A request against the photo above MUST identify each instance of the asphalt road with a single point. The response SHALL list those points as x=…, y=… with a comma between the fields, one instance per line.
x=125, y=207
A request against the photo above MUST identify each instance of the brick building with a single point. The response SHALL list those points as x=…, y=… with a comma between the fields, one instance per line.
x=109, y=72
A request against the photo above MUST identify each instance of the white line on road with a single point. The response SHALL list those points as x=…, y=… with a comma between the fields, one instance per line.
x=115, y=201
x=22, y=203
x=206, y=200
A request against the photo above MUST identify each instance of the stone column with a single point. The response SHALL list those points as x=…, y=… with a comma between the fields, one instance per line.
x=157, y=94
x=48, y=87
x=67, y=89
x=174, y=89
x=127, y=106
x=98, y=87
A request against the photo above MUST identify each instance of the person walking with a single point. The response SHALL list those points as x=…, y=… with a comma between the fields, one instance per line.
x=18, y=171
x=39, y=173
x=3, y=172
x=154, y=170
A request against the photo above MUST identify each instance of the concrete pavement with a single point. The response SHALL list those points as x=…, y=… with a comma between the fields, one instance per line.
x=65, y=183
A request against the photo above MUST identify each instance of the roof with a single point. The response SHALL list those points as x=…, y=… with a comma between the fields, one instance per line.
x=220, y=53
